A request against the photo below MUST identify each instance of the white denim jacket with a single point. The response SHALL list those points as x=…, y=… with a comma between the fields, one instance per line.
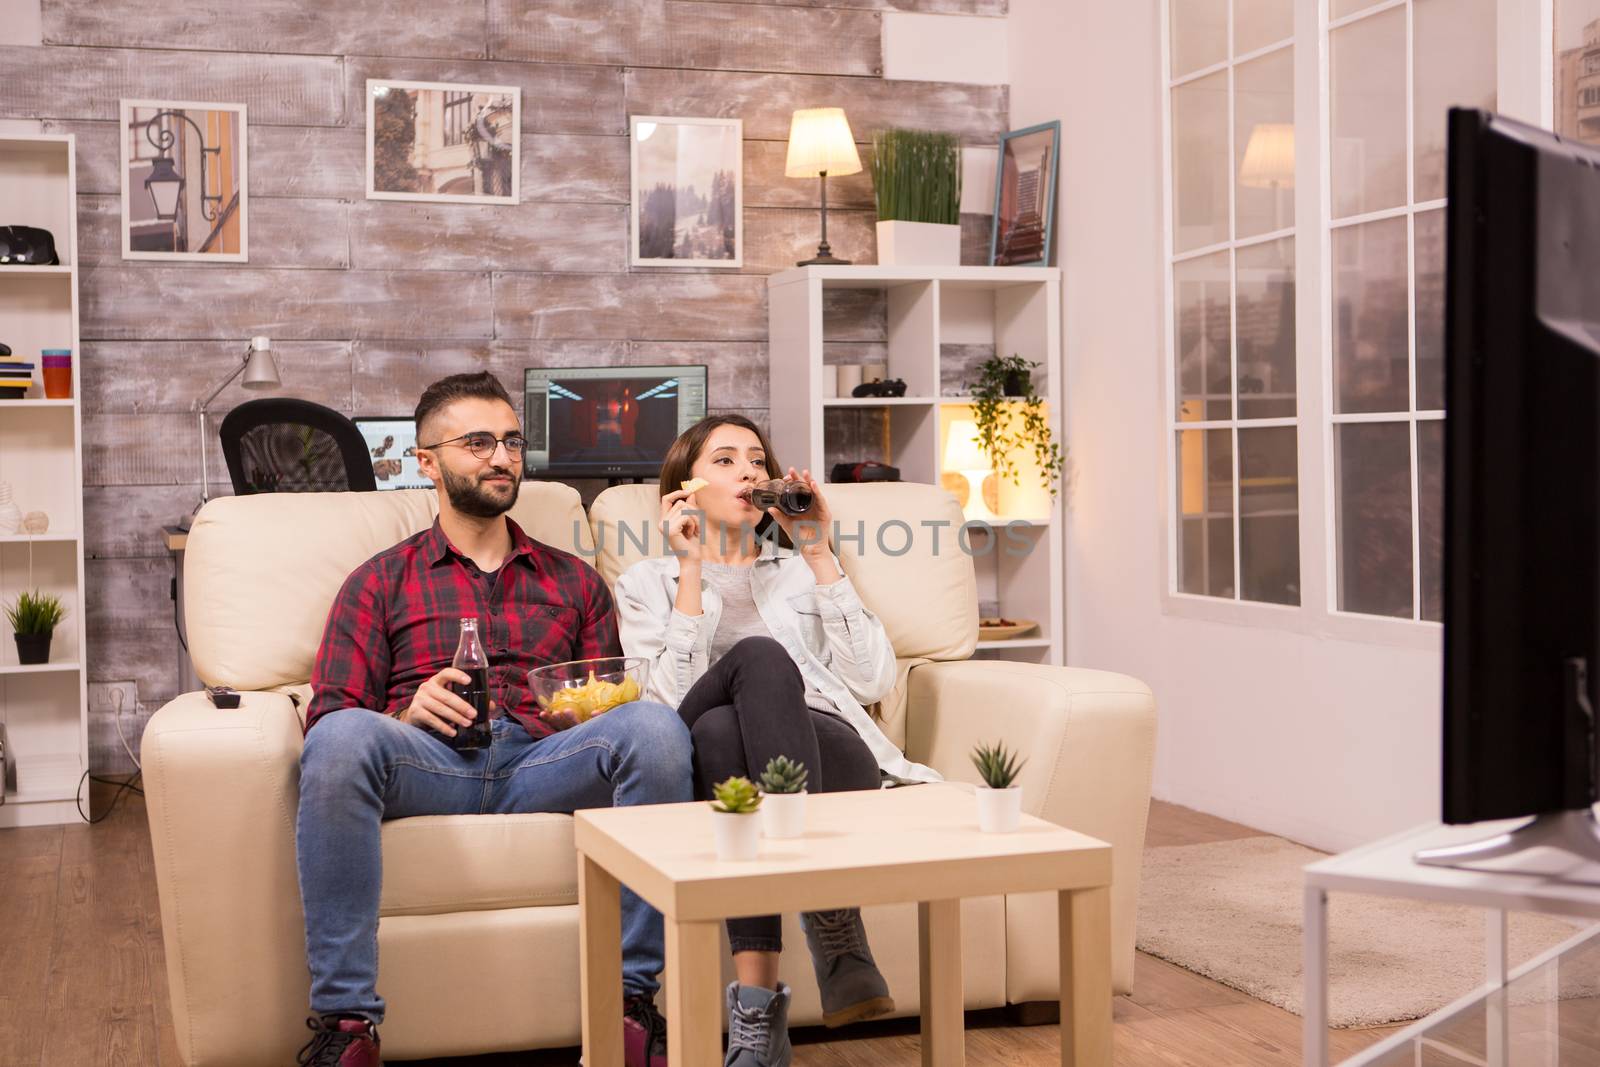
x=841, y=648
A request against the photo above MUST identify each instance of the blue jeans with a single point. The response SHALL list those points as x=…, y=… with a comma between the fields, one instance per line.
x=360, y=767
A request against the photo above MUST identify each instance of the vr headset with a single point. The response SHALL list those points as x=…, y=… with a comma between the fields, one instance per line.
x=28, y=246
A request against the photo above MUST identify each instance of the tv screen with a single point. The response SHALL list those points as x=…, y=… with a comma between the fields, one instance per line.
x=607, y=421
x=392, y=445
x=1522, y=471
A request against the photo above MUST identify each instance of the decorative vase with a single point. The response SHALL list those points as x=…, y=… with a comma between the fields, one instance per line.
x=35, y=522
x=1017, y=381
x=919, y=244
x=738, y=836
x=33, y=648
x=10, y=514
x=999, y=810
x=783, y=814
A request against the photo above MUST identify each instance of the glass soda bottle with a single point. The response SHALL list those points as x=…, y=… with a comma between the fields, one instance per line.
x=470, y=660
x=789, y=497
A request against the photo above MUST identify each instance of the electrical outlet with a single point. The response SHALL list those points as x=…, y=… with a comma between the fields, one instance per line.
x=114, y=697
x=114, y=714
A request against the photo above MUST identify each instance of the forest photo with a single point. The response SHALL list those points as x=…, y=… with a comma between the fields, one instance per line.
x=687, y=201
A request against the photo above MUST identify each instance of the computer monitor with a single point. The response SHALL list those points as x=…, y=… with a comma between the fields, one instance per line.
x=1522, y=486
x=607, y=422
x=392, y=445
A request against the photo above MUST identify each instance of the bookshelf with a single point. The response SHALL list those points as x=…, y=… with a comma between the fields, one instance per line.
x=44, y=706
x=932, y=315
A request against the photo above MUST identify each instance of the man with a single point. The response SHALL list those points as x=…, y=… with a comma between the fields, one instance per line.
x=382, y=707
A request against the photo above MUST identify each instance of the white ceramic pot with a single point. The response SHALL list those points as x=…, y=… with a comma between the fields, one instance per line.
x=738, y=836
x=846, y=377
x=919, y=244
x=999, y=810
x=783, y=814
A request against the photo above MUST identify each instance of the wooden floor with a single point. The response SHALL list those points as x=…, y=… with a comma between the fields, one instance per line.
x=83, y=982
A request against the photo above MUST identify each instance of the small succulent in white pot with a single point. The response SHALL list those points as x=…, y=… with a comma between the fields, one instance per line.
x=783, y=805
x=738, y=831
x=999, y=798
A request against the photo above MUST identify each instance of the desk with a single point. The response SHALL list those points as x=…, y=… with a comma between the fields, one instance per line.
x=177, y=540
x=1386, y=868
x=918, y=843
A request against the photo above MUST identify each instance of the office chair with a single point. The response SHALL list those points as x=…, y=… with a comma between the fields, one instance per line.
x=283, y=445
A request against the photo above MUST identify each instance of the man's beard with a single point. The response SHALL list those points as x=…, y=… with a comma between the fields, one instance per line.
x=469, y=497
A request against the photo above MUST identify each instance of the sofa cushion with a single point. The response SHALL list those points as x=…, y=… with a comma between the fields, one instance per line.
x=624, y=523
x=260, y=572
x=449, y=863
x=897, y=543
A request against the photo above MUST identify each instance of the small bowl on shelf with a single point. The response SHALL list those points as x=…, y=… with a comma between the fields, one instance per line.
x=997, y=629
x=577, y=690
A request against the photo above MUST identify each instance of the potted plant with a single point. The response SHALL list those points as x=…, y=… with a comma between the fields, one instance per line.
x=783, y=807
x=999, y=799
x=34, y=617
x=738, y=835
x=1004, y=382
x=916, y=178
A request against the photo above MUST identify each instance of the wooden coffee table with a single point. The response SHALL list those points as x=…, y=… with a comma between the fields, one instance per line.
x=917, y=843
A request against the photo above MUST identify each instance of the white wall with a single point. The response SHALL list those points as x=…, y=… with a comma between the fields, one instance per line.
x=1325, y=740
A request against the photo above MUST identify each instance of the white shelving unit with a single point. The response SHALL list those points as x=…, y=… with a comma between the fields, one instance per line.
x=44, y=707
x=1017, y=310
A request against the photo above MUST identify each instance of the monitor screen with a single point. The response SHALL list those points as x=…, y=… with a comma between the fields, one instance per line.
x=608, y=421
x=1522, y=471
x=392, y=445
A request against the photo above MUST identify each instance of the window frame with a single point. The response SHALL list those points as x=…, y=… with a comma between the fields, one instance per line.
x=455, y=105
x=1525, y=87
x=1232, y=245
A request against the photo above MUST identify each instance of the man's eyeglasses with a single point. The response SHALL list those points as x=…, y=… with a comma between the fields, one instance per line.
x=482, y=444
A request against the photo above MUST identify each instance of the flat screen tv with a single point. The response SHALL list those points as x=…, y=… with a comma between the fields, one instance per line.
x=607, y=422
x=1522, y=485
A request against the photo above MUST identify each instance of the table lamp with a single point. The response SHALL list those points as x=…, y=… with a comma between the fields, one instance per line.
x=1269, y=162
x=260, y=371
x=820, y=144
x=963, y=456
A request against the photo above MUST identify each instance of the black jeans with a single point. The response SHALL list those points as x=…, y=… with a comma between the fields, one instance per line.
x=749, y=707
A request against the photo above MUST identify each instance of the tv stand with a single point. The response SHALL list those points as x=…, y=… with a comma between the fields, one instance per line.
x=1577, y=832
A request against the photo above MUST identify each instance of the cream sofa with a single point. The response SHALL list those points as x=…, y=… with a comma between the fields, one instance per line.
x=480, y=912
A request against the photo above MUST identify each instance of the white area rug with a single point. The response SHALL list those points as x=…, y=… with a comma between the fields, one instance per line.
x=1231, y=911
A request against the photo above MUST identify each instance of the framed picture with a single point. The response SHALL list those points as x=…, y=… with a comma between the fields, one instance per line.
x=688, y=192
x=185, y=187
x=450, y=144
x=1025, y=197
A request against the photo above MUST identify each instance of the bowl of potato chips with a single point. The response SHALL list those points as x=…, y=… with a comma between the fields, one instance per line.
x=576, y=691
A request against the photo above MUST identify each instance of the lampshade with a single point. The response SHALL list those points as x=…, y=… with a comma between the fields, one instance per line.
x=961, y=449
x=820, y=141
x=1269, y=157
x=164, y=185
x=261, y=370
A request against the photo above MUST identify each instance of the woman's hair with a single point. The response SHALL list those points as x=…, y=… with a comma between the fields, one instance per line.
x=677, y=467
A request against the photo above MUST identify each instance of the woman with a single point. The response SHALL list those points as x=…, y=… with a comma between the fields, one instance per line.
x=766, y=650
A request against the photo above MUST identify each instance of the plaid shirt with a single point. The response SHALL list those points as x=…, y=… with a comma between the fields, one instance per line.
x=396, y=623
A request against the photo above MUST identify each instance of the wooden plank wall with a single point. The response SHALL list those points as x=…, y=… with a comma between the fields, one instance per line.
x=368, y=301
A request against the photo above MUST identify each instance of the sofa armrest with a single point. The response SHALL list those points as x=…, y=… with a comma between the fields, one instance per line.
x=1089, y=739
x=221, y=790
